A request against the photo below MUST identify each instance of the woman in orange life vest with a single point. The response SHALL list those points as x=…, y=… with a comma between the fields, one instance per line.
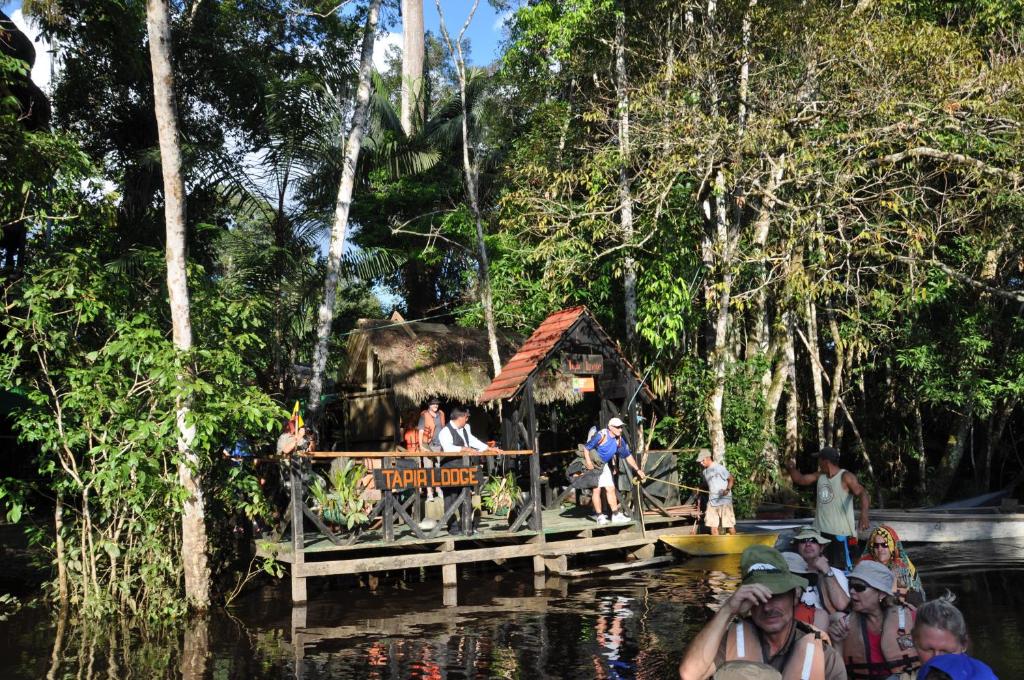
x=884, y=546
x=876, y=636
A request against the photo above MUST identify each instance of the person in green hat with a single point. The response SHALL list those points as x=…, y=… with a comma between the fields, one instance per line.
x=757, y=624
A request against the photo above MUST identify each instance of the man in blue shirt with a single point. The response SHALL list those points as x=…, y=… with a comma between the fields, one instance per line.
x=606, y=444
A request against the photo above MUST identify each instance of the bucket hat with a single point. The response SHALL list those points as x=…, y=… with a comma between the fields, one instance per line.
x=767, y=566
x=808, y=532
x=746, y=670
x=797, y=564
x=875, y=575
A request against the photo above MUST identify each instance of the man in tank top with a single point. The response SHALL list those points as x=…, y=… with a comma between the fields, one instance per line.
x=834, y=516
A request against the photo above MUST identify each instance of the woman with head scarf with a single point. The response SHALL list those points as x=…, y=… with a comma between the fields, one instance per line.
x=884, y=546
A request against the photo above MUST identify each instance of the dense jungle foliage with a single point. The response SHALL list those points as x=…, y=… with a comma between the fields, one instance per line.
x=801, y=218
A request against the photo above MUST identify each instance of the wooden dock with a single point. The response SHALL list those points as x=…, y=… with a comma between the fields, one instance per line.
x=566, y=533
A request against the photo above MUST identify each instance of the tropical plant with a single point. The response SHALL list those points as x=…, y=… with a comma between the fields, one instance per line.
x=501, y=494
x=339, y=498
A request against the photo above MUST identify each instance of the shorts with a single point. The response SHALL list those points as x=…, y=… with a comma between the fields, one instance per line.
x=605, y=481
x=720, y=514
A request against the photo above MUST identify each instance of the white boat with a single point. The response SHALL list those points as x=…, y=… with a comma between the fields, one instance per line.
x=949, y=526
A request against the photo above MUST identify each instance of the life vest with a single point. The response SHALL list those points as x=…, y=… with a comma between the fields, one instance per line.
x=411, y=437
x=898, y=650
x=806, y=660
x=428, y=424
x=811, y=615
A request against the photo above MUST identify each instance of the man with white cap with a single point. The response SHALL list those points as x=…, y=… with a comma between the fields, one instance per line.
x=719, y=480
x=606, y=444
x=757, y=624
x=827, y=589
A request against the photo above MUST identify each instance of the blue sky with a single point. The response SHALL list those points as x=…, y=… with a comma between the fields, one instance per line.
x=484, y=34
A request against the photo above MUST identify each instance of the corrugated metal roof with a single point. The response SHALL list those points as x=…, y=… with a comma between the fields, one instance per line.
x=537, y=348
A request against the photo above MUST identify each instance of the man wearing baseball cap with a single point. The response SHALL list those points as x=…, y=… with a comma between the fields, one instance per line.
x=828, y=589
x=606, y=444
x=836, y=489
x=720, y=512
x=757, y=624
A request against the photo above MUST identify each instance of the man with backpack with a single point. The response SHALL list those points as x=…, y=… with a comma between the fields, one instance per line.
x=607, y=444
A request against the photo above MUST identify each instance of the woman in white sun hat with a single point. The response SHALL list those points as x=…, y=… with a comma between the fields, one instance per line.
x=876, y=636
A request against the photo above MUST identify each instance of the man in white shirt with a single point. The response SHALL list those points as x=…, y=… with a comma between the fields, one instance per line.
x=719, y=480
x=827, y=586
x=456, y=437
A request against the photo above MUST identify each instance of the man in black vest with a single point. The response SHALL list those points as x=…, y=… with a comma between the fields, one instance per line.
x=456, y=437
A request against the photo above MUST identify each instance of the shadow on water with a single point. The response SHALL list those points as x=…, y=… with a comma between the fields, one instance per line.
x=631, y=625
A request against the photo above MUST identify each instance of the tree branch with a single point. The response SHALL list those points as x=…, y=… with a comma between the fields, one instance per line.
x=929, y=152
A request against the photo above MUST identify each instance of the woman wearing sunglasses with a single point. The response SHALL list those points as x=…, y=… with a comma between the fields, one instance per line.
x=884, y=546
x=876, y=635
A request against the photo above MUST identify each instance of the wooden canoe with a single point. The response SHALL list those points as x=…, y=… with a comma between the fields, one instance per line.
x=724, y=544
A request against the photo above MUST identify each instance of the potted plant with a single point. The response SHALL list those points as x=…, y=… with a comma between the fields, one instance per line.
x=338, y=499
x=501, y=494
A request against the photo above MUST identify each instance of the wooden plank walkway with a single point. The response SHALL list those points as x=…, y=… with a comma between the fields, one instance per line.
x=566, y=533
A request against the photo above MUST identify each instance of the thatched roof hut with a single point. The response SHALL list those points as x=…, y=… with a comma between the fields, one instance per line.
x=420, y=360
x=393, y=366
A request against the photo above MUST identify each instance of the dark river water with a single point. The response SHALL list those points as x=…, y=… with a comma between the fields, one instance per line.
x=631, y=625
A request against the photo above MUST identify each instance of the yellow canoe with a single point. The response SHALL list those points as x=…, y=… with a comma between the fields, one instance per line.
x=725, y=544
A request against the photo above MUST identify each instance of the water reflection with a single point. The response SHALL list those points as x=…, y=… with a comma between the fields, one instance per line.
x=631, y=625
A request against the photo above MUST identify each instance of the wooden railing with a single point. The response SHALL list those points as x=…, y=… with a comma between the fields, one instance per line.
x=390, y=509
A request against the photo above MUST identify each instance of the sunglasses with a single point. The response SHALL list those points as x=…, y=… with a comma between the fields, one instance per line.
x=880, y=545
x=859, y=587
x=799, y=541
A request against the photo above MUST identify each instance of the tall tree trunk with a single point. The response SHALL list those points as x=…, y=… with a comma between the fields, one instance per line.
x=60, y=552
x=836, y=387
x=325, y=317
x=625, y=190
x=471, y=174
x=793, y=401
x=193, y=520
x=413, y=104
x=996, y=426
x=945, y=473
x=816, y=370
x=922, y=457
x=723, y=254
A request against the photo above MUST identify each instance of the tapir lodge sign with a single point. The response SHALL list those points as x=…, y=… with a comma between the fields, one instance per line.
x=415, y=478
x=583, y=364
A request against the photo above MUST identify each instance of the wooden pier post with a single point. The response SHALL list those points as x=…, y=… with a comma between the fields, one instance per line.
x=298, y=539
x=450, y=581
x=539, y=578
x=536, y=522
